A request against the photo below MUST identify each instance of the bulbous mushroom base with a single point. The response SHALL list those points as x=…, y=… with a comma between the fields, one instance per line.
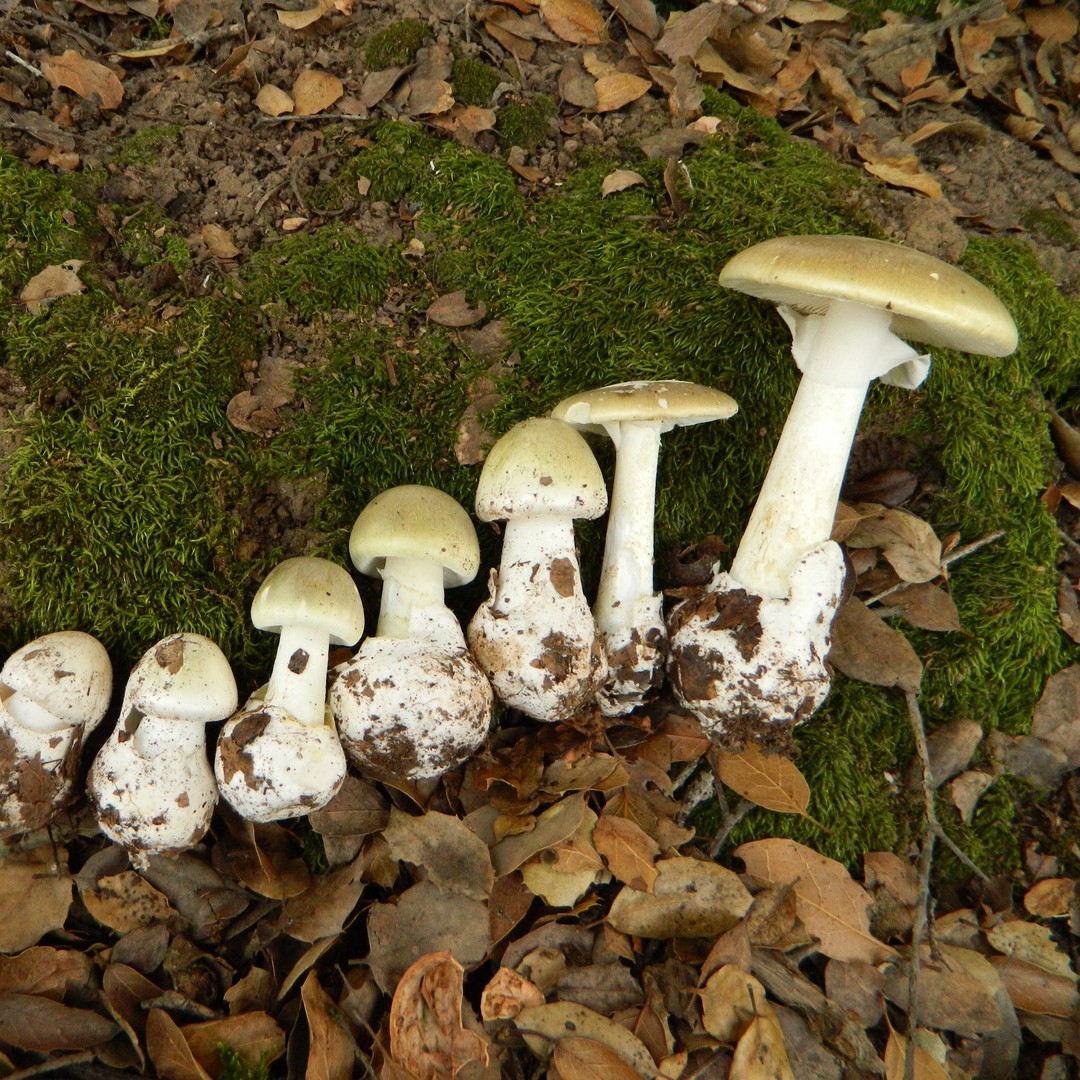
x=269, y=766
x=411, y=708
x=635, y=658
x=749, y=667
x=151, y=806
x=37, y=774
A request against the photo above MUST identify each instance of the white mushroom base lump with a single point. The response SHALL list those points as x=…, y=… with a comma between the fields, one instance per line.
x=411, y=708
x=750, y=667
x=269, y=766
x=158, y=805
x=635, y=656
x=536, y=639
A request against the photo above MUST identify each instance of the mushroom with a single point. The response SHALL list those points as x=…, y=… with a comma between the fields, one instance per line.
x=413, y=703
x=151, y=783
x=629, y=613
x=535, y=637
x=53, y=692
x=848, y=301
x=280, y=756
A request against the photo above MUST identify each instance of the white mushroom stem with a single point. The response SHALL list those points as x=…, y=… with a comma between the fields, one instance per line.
x=839, y=353
x=531, y=543
x=409, y=585
x=626, y=574
x=154, y=735
x=32, y=716
x=298, y=681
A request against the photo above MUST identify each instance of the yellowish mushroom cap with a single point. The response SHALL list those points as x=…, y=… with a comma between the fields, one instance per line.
x=672, y=402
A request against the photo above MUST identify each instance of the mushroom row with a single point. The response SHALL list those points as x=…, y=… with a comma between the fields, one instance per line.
x=746, y=655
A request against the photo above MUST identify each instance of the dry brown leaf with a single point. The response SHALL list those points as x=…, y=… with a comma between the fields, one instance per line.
x=429, y=97
x=907, y=542
x=315, y=91
x=928, y=607
x=966, y=791
x=1056, y=24
x=576, y=21
x=333, y=1050
x=358, y=809
x=427, y=1035
x=218, y=242
x=507, y=994
x=35, y=894
x=325, y=907
x=690, y=898
x=125, y=901
x=46, y=972
x=268, y=860
x=1032, y=989
x=831, y=905
x=896, y=1049
x=615, y=91
x=451, y=855
x=769, y=780
x=579, y=1058
x=1032, y=943
x=543, y=1026
x=839, y=89
x=629, y=851
x=1057, y=715
x=902, y=171
x=866, y=649
x=297, y=20
x=761, y=1053
x=728, y=1002
x=272, y=100
x=37, y=1023
x=685, y=35
x=807, y=11
x=168, y=1049
x=452, y=309
x=50, y=284
x=254, y=1036
x=85, y=77
x=640, y=14
x=557, y=823
x=1051, y=898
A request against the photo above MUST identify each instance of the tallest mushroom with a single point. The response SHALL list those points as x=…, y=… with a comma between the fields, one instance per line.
x=848, y=301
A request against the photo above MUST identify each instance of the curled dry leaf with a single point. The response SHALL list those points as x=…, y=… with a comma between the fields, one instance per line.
x=928, y=607
x=333, y=1050
x=543, y=1026
x=218, y=242
x=729, y=1000
x=620, y=180
x=297, y=20
x=907, y=542
x=452, y=310
x=831, y=905
x=427, y=1035
x=1033, y=943
x=272, y=100
x=50, y=284
x=48, y=972
x=325, y=907
x=1033, y=989
x=1051, y=898
x=557, y=823
x=507, y=994
x=85, y=77
x=690, y=898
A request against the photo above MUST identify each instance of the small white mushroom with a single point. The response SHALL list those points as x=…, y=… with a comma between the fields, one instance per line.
x=151, y=783
x=53, y=692
x=848, y=301
x=535, y=637
x=280, y=756
x=413, y=703
x=629, y=612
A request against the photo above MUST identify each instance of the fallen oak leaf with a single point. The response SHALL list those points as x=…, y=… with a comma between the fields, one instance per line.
x=620, y=180
x=543, y=1026
x=31, y=1022
x=579, y=1058
x=615, y=91
x=71, y=70
x=315, y=91
x=760, y=1053
x=576, y=21
x=771, y=781
x=866, y=649
x=629, y=851
x=168, y=1049
x=50, y=284
x=333, y=1049
x=254, y=1037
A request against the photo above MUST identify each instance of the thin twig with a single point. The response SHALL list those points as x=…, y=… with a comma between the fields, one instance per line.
x=337, y=116
x=17, y=59
x=954, y=556
x=1069, y=542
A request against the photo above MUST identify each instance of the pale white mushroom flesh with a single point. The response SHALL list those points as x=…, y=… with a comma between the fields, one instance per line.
x=151, y=784
x=53, y=692
x=628, y=611
x=280, y=756
x=535, y=637
x=413, y=703
x=849, y=302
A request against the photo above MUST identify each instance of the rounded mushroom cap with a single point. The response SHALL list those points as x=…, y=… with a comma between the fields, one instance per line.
x=67, y=673
x=414, y=521
x=671, y=402
x=313, y=593
x=540, y=466
x=182, y=677
x=932, y=302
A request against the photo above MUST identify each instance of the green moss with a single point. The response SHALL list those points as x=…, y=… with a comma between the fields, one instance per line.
x=148, y=237
x=1051, y=225
x=315, y=273
x=234, y=1067
x=474, y=81
x=525, y=123
x=144, y=146
x=397, y=44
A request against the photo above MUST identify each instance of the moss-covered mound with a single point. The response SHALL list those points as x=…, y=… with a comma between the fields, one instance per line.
x=121, y=510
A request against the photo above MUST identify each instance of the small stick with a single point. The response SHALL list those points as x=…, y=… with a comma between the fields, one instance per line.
x=16, y=58
x=954, y=556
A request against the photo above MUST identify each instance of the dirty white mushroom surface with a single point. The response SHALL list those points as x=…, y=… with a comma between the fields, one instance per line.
x=413, y=703
x=281, y=756
x=535, y=637
x=750, y=667
x=151, y=783
x=628, y=611
x=53, y=692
